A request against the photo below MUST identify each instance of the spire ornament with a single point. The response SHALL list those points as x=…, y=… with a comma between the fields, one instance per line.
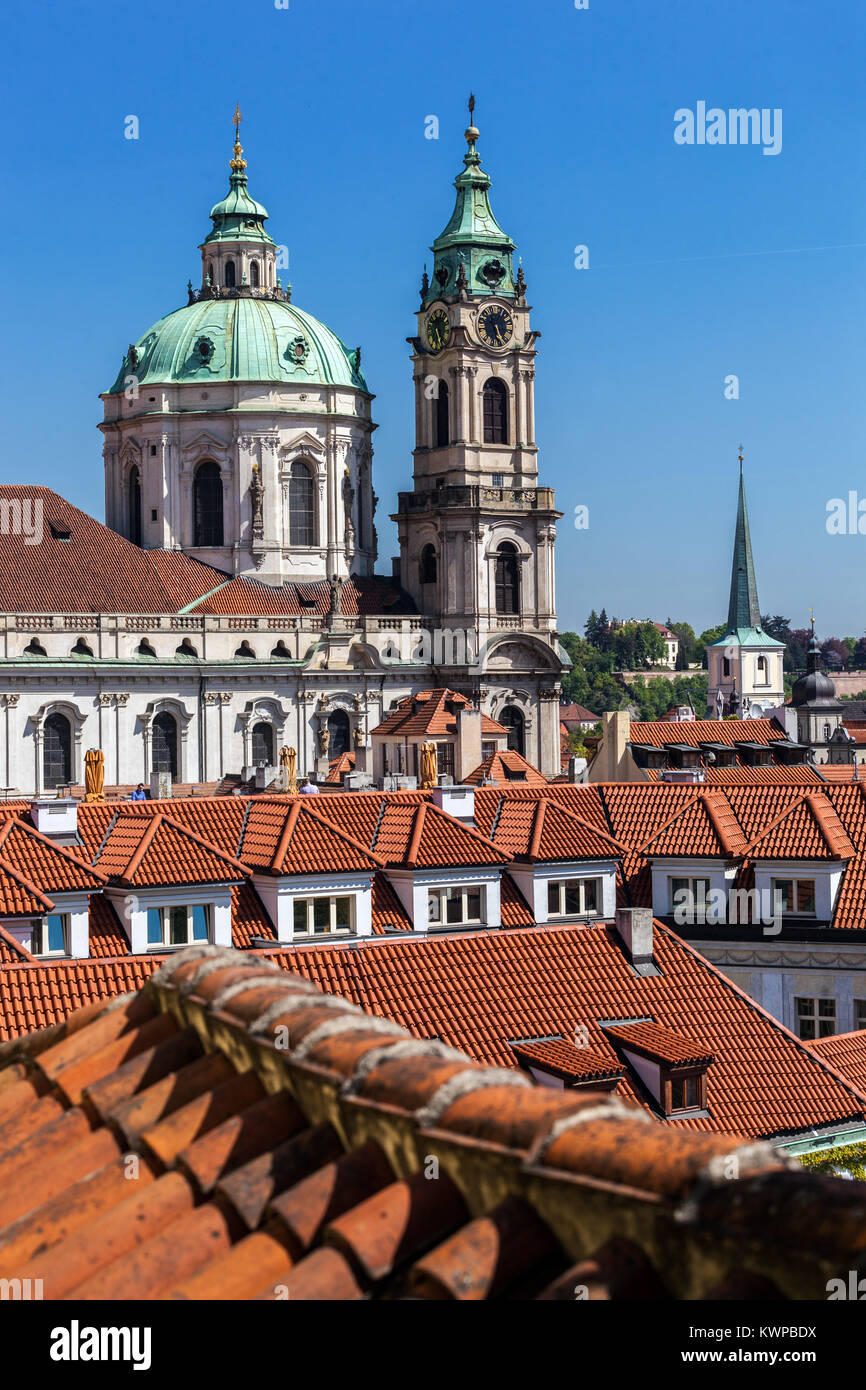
x=238, y=163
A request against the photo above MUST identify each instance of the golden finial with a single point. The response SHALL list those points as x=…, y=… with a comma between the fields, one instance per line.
x=238, y=163
x=472, y=130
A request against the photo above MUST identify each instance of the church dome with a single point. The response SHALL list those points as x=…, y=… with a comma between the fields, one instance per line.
x=815, y=688
x=241, y=337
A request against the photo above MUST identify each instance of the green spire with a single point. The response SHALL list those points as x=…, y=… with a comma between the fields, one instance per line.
x=238, y=217
x=743, y=610
x=473, y=236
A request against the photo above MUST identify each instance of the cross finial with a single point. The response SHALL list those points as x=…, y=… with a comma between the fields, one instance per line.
x=237, y=118
x=237, y=163
x=471, y=108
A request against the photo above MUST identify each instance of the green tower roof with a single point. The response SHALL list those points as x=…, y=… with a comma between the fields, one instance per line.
x=473, y=236
x=238, y=217
x=744, y=612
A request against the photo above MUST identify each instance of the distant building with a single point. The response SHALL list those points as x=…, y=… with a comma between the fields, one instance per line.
x=745, y=665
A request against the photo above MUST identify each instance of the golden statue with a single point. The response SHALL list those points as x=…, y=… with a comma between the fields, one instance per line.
x=288, y=766
x=94, y=775
x=429, y=766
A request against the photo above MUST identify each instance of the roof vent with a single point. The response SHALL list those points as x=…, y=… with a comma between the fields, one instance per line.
x=57, y=818
x=457, y=801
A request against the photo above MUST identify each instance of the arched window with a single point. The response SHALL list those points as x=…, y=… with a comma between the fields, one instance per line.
x=507, y=579
x=145, y=649
x=441, y=429
x=512, y=719
x=81, y=649
x=210, y=272
x=254, y=274
x=57, y=751
x=263, y=744
x=208, y=505
x=495, y=398
x=164, y=743
x=428, y=565
x=245, y=652
x=302, y=510
x=338, y=728
x=135, y=506
x=281, y=652
x=230, y=274
x=34, y=648
x=186, y=651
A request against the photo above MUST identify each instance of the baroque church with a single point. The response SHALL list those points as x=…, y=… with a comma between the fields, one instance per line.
x=230, y=606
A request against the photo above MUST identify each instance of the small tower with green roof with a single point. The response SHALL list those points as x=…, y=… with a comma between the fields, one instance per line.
x=745, y=665
x=238, y=250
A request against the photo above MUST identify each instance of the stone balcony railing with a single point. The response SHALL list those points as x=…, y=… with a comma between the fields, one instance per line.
x=471, y=495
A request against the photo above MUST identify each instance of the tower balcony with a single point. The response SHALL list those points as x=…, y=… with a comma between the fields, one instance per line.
x=476, y=497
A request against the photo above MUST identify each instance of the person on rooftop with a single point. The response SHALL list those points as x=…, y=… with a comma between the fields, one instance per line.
x=307, y=787
x=139, y=794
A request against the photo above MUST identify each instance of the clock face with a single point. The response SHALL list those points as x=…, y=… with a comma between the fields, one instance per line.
x=438, y=330
x=495, y=325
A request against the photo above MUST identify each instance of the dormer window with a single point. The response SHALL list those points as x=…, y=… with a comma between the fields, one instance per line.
x=796, y=896
x=324, y=916
x=50, y=936
x=456, y=907
x=573, y=897
x=670, y=1067
x=177, y=926
x=685, y=1093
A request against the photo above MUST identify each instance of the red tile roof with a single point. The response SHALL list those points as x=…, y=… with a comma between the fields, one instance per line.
x=286, y=835
x=147, y=851
x=271, y=1172
x=81, y=566
x=505, y=768
x=704, y=828
x=431, y=714
x=542, y=831
x=561, y=1058
x=807, y=829
x=649, y=1039
x=549, y=980
x=847, y=1053
x=698, y=731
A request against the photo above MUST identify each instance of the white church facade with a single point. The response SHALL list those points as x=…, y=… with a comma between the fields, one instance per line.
x=230, y=605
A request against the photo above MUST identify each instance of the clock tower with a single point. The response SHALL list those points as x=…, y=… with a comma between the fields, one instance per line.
x=477, y=531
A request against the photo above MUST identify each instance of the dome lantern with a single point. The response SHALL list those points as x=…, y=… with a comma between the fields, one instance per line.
x=238, y=252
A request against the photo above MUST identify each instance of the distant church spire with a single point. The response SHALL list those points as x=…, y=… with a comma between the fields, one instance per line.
x=743, y=608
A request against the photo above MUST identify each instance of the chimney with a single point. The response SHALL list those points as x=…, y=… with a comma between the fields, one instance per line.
x=467, y=752
x=456, y=801
x=57, y=818
x=608, y=763
x=635, y=927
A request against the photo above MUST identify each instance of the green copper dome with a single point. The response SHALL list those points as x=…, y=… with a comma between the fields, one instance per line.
x=241, y=338
x=238, y=217
x=473, y=237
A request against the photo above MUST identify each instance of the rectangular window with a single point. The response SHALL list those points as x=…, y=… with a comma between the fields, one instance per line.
x=445, y=759
x=323, y=916
x=797, y=895
x=574, y=897
x=860, y=1013
x=177, y=926
x=698, y=891
x=685, y=1093
x=499, y=480
x=455, y=906
x=816, y=1018
x=49, y=936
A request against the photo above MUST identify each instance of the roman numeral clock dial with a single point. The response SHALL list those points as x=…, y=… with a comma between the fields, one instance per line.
x=495, y=326
x=438, y=330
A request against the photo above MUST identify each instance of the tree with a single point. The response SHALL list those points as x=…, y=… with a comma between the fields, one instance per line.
x=858, y=656
x=712, y=634
x=834, y=652
x=685, y=652
x=797, y=649
x=776, y=627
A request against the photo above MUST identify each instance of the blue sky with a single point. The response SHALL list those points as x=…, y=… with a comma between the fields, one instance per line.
x=576, y=111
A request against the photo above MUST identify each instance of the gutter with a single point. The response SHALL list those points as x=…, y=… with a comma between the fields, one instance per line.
x=813, y=1142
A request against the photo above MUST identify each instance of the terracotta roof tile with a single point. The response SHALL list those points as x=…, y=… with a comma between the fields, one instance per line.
x=148, y=851
x=561, y=1058
x=256, y=1195
x=660, y=1044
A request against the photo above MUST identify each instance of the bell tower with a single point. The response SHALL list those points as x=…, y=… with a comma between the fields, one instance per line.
x=477, y=531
